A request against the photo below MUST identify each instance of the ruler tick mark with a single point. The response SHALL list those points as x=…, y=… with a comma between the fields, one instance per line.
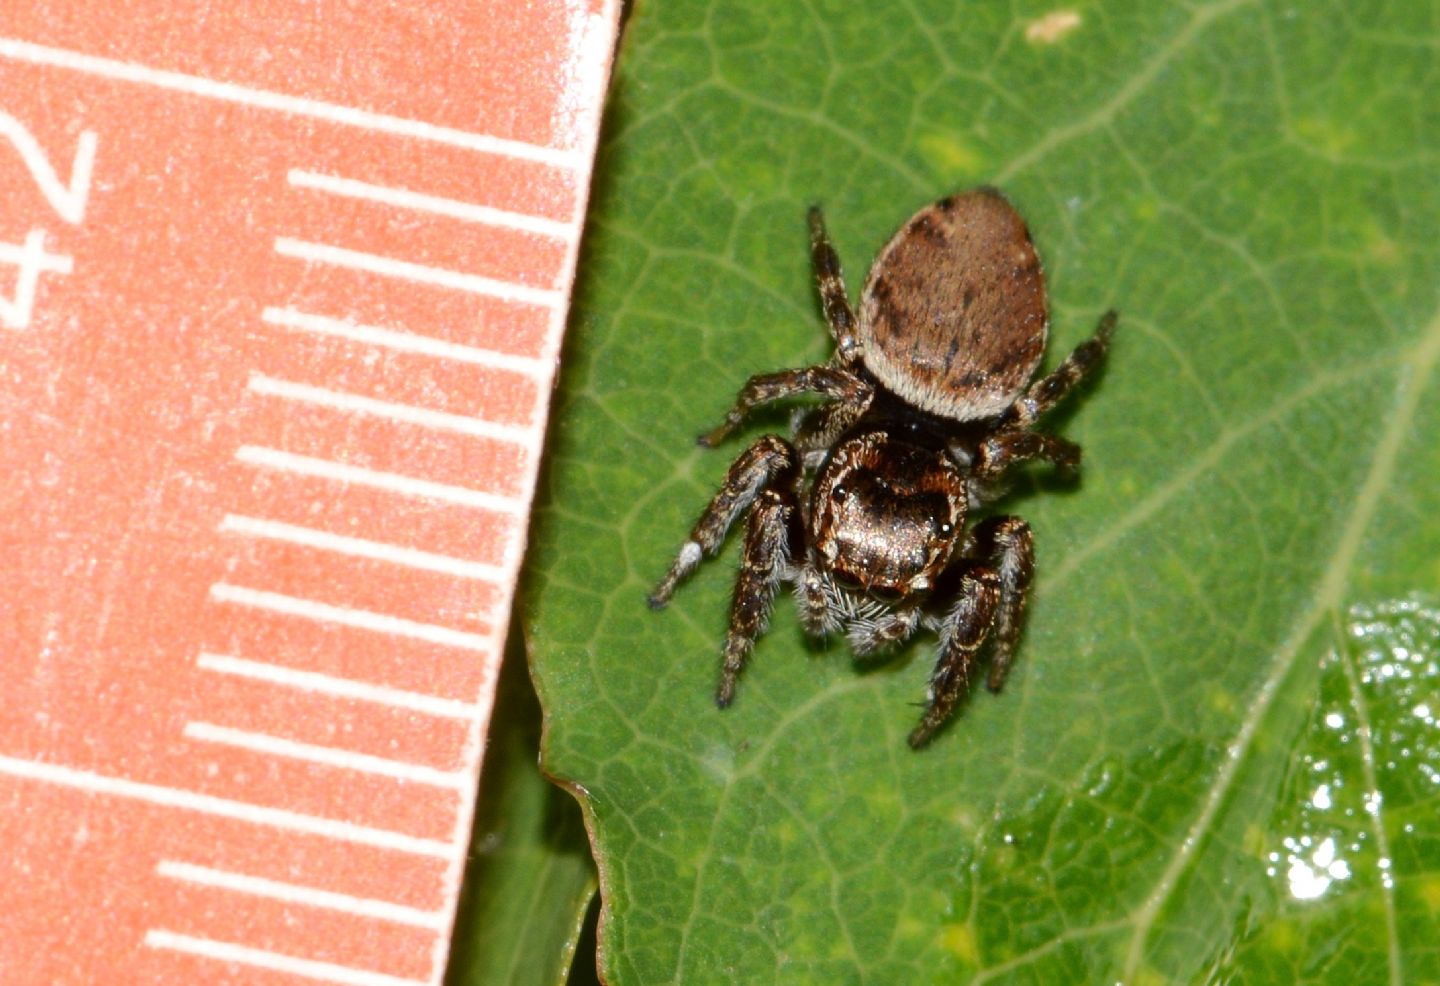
x=325, y=755
x=421, y=202
x=294, y=893
x=332, y=686
x=208, y=804
x=274, y=961
x=360, y=548
x=360, y=619
x=304, y=465
x=375, y=335
x=408, y=414
x=405, y=270
x=230, y=92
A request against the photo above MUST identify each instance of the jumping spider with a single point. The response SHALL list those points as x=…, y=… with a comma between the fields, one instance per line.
x=864, y=509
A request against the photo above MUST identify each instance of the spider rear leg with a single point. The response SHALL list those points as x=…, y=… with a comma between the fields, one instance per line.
x=764, y=564
x=962, y=634
x=841, y=385
x=1051, y=389
x=1007, y=546
x=770, y=460
x=839, y=316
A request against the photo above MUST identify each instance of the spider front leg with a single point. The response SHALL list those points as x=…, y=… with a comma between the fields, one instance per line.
x=890, y=630
x=764, y=564
x=769, y=461
x=813, y=596
x=841, y=385
x=962, y=634
x=814, y=430
x=1007, y=546
x=1007, y=449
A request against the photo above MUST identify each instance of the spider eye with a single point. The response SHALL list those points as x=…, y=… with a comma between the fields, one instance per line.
x=946, y=528
x=840, y=493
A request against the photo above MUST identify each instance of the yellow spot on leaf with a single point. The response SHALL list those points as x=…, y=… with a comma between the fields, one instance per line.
x=950, y=156
x=959, y=941
x=1221, y=701
x=963, y=817
x=1150, y=976
x=1280, y=936
x=1326, y=136
x=1430, y=892
x=909, y=929
x=1052, y=27
x=884, y=802
x=1379, y=247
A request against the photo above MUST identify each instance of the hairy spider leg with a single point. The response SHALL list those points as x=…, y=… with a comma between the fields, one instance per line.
x=1010, y=448
x=962, y=634
x=814, y=430
x=870, y=627
x=833, y=382
x=1007, y=546
x=768, y=461
x=839, y=316
x=869, y=636
x=763, y=565
x=1051, y=389
x=812, y=599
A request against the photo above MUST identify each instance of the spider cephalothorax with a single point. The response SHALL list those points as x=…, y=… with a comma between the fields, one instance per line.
x=864, y=510
x=885, y=514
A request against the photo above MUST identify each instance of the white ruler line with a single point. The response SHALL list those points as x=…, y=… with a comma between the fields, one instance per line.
x=406, y=413
x=360, y=548
x=326, y=755
x=276, y=962
x=206, y=804
x=360, y=619
x=407, y=342
x=294, y=893
x=324, y=684
x=374, y=263
x=230, y=92
x=404, y=198
x=340, y=472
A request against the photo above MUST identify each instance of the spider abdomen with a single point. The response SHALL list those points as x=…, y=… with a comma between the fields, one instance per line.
x=953, y=316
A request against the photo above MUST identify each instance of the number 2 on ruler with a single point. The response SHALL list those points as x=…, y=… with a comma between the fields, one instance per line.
x=30, y=258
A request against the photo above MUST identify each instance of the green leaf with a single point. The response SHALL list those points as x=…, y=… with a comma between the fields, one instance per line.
x=530, y=878
x=1256, y=539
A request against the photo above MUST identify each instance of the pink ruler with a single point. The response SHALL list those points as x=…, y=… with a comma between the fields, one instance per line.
x=281, y=292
